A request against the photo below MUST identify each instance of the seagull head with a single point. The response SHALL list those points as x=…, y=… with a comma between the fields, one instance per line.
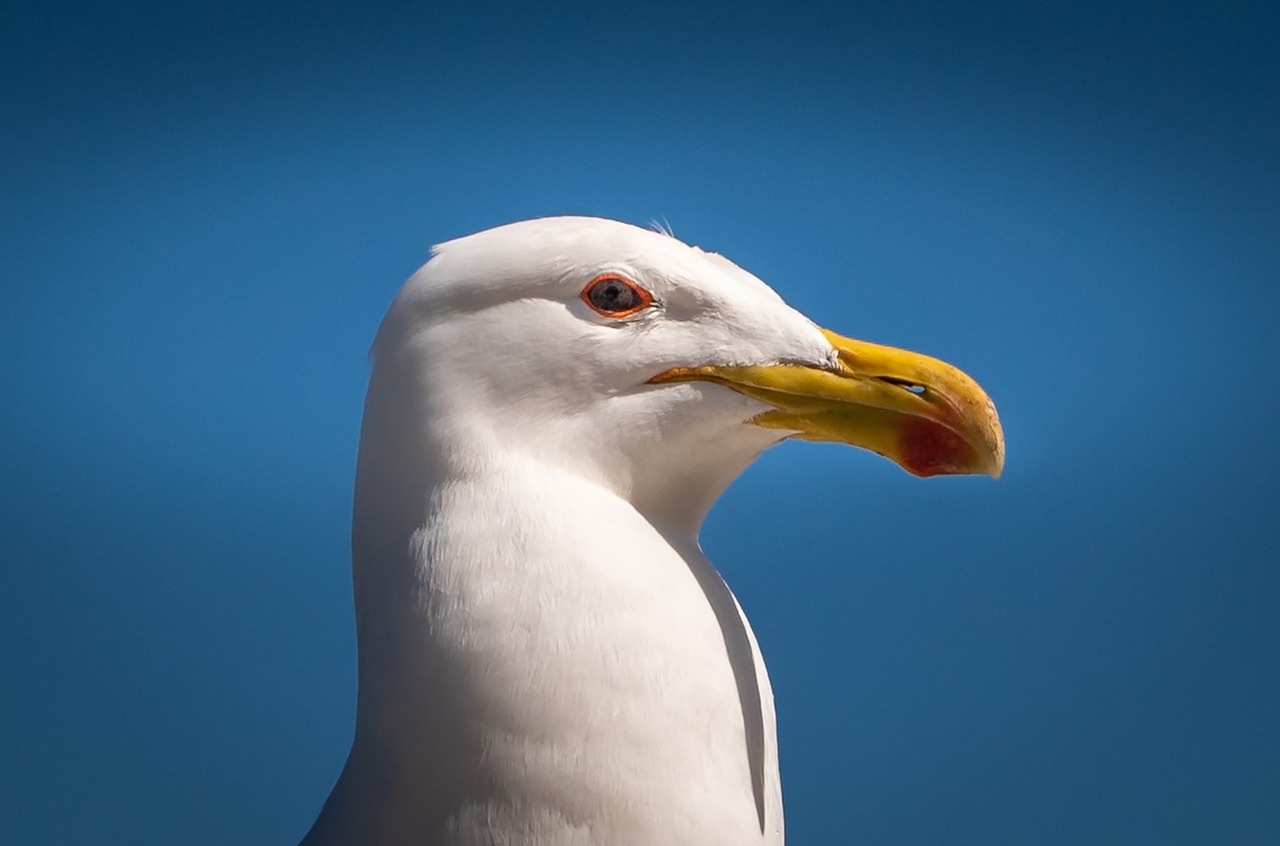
x=652, y=367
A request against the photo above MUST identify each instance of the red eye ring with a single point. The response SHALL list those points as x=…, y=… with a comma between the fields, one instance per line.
x=612, y=295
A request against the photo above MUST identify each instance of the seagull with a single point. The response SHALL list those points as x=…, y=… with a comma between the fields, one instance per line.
x=545, y=654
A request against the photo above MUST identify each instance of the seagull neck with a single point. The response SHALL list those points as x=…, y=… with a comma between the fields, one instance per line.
x=500, y=590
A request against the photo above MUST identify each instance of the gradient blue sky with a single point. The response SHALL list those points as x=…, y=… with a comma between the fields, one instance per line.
x=206, y=208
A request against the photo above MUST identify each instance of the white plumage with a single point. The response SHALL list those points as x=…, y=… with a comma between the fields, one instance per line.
x=545, y=655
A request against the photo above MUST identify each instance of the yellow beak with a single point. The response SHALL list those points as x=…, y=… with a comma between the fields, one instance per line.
x=925, y=415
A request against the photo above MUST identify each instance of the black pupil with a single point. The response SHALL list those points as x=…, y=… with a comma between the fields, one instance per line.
x=613, y=295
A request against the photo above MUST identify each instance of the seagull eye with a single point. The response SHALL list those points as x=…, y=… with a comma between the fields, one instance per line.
x=614, y=296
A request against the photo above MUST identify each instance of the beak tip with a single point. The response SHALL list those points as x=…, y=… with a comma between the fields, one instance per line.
x=995, y=443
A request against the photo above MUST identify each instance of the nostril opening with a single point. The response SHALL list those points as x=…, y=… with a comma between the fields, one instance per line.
x=905, y=385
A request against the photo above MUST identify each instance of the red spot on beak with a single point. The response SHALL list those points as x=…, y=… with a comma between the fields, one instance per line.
x=931, y=449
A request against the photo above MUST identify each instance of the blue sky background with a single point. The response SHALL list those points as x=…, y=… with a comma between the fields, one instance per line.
x=206, y=207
